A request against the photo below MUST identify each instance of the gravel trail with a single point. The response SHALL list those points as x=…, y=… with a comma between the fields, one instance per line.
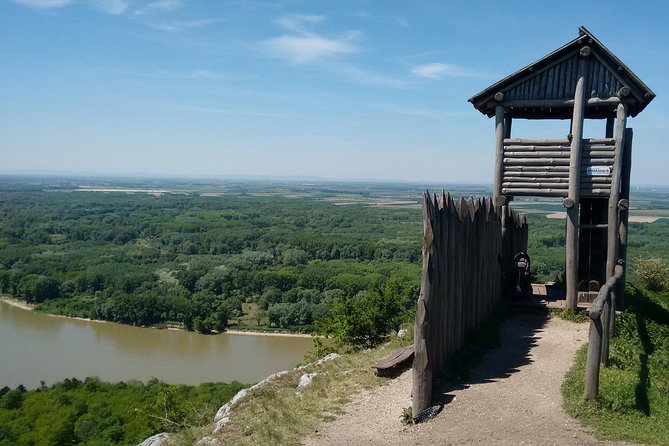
x=513, y=398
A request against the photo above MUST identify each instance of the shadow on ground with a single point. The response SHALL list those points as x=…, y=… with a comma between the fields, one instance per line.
x=517, y=337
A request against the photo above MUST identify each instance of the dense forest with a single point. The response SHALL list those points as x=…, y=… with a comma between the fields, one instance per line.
x=195, y=260
x=91, y=412
x=340, y=259
x=261, y=255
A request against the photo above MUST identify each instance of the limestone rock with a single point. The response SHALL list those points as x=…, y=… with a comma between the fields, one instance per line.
x=156, y=440
x=306, y=379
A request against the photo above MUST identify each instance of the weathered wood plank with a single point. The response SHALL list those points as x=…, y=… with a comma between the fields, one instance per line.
x=612, y=236
x=574, y=193
x=499, y=154
x=547, y=162
x=396, y=360
x=537, y=185
x=624, y=212
x=461, y=280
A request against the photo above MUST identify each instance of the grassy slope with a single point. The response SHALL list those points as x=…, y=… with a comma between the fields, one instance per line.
x=633, y=403
x=280, y=413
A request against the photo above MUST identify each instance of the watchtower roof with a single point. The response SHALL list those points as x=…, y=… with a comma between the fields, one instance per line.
x=545, y=89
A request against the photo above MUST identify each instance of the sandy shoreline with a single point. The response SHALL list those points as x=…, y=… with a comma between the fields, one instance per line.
x=17, y=303
x=26, y=306
x=267, y=333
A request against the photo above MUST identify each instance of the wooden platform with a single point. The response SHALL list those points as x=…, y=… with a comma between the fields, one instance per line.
x=395, y=362
x=550, y=295
x=547, y=296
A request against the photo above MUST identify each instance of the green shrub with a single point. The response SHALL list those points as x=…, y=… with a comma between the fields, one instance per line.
x=651, y=271
x=367, y=318
x=407, y=416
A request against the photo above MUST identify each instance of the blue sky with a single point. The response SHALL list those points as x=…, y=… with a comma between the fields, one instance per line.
x=335, y=89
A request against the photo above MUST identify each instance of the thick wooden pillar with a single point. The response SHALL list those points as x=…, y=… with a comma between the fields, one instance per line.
x=614, y=198
x=497, y=197
x=507, y=127
x=593, y=360
x=623, y=205
x=609, y=127
x=572, y=200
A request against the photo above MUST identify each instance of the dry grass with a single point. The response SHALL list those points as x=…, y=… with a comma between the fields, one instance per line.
x=282, y=414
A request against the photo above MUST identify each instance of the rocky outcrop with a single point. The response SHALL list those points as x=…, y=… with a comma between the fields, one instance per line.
x=223, y=414
x=306, y=379
x=156, y=440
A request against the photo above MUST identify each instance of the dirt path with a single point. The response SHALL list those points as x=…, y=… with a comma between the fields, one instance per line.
x=513, y=398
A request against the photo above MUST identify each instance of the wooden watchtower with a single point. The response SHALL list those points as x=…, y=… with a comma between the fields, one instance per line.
x=580, y=80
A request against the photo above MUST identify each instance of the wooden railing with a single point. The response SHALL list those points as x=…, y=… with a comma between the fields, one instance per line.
x=468, y=249
x=602, y=325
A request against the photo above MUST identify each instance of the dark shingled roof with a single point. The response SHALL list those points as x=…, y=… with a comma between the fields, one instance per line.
x=553, y=78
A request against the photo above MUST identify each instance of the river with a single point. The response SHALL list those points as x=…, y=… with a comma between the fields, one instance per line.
x=37, y=347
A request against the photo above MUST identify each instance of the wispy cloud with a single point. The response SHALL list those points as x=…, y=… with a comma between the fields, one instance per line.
x=112, y=7
x=419, y=111
x=304, y=46
x=298, y=22
x=438, y=70
x=181, y=25
x=199, y=75
x=366, y=77
x=393, y=19
x=160, y=7
x=311, y=47
x=166, y=106
x=43, y=4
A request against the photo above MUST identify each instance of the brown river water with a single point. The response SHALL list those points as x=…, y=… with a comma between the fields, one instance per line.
x=37, y=347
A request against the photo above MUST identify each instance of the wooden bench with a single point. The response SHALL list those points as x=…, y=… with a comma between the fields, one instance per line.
x=393, y=363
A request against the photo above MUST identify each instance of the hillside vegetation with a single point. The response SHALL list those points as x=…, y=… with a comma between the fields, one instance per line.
x=336, y=260
x=633, y=402
x=194, y=260
x=92, y=412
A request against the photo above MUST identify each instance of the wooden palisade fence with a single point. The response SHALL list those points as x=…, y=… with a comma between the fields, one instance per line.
x=468, y=248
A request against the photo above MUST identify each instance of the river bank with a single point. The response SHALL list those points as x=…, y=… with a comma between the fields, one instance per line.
x=30, y=307
x=269, y=333
x=50, y=349
x=17, y=303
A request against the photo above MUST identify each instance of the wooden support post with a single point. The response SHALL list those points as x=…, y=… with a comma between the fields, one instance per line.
x=507, y=127
x=593, y=360
x=497, y=198
x=623, y=205
x=609, y=127
x=422, y=370
x=506, y=267
x=606, y=335
x=574, y=195
x=610, y=328
x=614, y=198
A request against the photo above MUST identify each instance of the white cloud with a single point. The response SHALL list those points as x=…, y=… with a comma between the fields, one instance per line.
x=304, y=46
x=439, y=70
x=181, y=25
x=307, y=48
x=43, y=4
x=298, y=22
x=160, y=6
x=366, y=77
x=393, y=19
x=112, y=7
